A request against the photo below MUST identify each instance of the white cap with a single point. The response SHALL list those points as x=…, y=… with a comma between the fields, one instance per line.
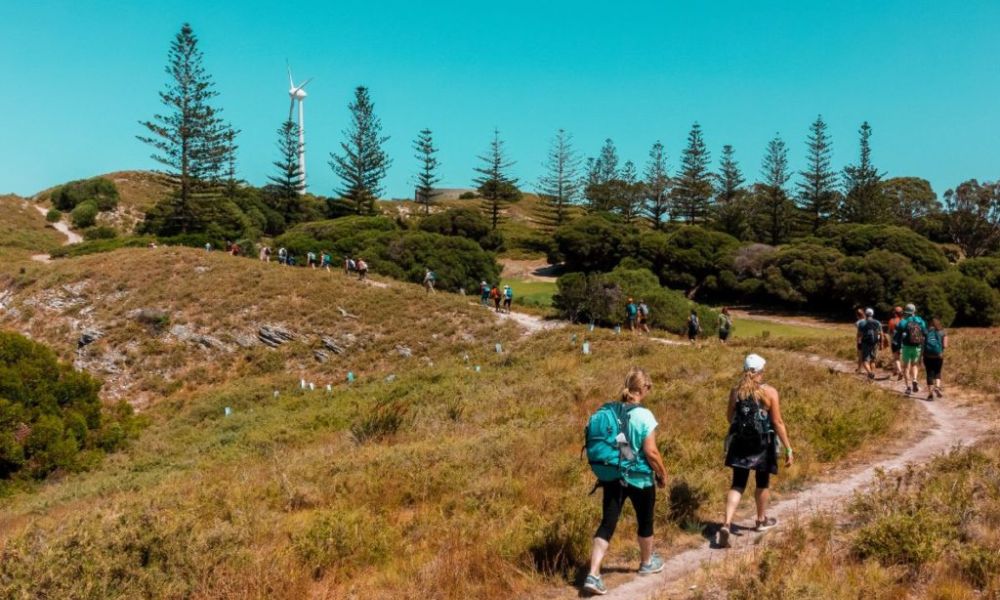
x=869, y=312
x=754, y=362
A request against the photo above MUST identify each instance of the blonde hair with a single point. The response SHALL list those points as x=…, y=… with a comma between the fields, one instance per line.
x=636, y=382
x=750, y=386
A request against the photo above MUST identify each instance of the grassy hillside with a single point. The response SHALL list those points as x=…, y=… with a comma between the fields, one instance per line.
x=441, y=478
x=179, y=318
x=138, y=192
x=23, y=230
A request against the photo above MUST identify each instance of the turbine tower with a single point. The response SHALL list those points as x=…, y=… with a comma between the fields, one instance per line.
x=299, y=93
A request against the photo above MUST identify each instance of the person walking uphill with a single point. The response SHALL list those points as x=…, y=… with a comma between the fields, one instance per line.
x=869, y=340
x=754, y=414
x=912, y=332
x=693, y=326
x=725, y=325
x=935, y=343
x=621, y=448
x=508, y=298
x=496, y=296
x=631, y=314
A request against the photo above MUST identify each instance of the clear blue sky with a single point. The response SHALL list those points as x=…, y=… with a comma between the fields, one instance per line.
x=78, y=76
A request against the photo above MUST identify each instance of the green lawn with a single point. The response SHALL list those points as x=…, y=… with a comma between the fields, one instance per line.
x=749, y=328
x=531, y=293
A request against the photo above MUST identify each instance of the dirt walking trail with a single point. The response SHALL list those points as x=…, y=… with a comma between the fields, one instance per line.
x=71, y=236
x=952, y=422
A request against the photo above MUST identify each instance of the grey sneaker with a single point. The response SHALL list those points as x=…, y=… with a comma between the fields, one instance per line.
x=767, y=523
x=724, y=537
x=655, y=565
x=595, y=585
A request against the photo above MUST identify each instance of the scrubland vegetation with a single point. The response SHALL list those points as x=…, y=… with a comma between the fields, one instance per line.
x=444, y=478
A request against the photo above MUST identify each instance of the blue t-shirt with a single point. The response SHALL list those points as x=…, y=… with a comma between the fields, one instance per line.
x=631, y=310
x=641, y=424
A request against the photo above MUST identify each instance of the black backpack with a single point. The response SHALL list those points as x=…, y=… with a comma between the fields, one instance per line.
x=751, y=427
x=872, y=332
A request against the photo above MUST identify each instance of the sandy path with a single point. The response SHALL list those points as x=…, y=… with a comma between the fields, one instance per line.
x=71, y=236
x=953, y=422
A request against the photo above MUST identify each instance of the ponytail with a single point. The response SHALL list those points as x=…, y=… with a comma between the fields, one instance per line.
x=750, y=386
x=636, y=382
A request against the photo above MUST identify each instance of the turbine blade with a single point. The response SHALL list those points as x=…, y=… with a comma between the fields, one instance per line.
x=291, y=83
x=303, y=84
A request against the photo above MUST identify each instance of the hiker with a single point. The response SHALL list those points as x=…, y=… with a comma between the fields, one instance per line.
x=508, y=298
x=495, y=296
x=897, y=316
x=912, y=333
x=348, y=265
x=631, y=314
x=858, y=324
x=754, y=414
x=263, y=254
x=694, y=326
x=869, y=340
x=311, y=259
x=429, y=278
x=935, y=343
x=235, y=249
x=484, y=294
x=725, y=325
x=362, y=268
x=621, y=448
x=283, y=255
x=208, y=247
x=643, y=317
x=327, y=260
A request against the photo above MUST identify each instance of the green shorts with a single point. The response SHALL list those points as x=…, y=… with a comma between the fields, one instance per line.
x=910, y=354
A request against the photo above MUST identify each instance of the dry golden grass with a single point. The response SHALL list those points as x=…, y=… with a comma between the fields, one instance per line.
x=445, y=480
x=933, y=532
x=24, y=228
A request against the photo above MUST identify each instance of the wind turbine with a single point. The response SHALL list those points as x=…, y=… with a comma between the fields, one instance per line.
x=299, y=93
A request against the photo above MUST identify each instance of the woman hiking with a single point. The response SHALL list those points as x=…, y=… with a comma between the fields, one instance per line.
x=935, y=343
x=638, y=484
x=725, y=325
x=754, y=414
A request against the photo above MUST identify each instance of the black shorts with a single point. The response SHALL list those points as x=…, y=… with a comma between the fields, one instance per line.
x=723, y=335
x=643, y=500
x=868, y=352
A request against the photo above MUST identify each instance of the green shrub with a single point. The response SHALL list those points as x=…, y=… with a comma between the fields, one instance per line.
x=468, y=196
x=687, y=257
x=601, y=298
x=985, y=269
x=858, y=240
x=50, y=412
x=100, y=232
x=592, y=243
x=458, y=262
x=84, y=215
x=346, y=540
x=98, y=246
x=100, y=191
x=463, y=222
x=54, y=215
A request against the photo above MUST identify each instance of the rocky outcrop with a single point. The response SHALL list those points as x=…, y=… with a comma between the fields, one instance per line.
x=274, y=336
x=89, y=336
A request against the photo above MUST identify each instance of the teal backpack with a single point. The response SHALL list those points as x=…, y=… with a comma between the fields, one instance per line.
x=606, y=441
x=933, y=344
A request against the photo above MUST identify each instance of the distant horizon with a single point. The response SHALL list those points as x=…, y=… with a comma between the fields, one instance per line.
x=923, y=76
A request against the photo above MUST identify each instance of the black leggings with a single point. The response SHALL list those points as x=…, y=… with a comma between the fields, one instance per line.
x=742, y=476
x=933, y=364
x=615, y=493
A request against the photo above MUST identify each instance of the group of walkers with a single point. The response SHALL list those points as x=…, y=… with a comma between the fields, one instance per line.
x=911, y=339
x=637, y=321
x=620, y=441
x=323, y=260
x=500, y=298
